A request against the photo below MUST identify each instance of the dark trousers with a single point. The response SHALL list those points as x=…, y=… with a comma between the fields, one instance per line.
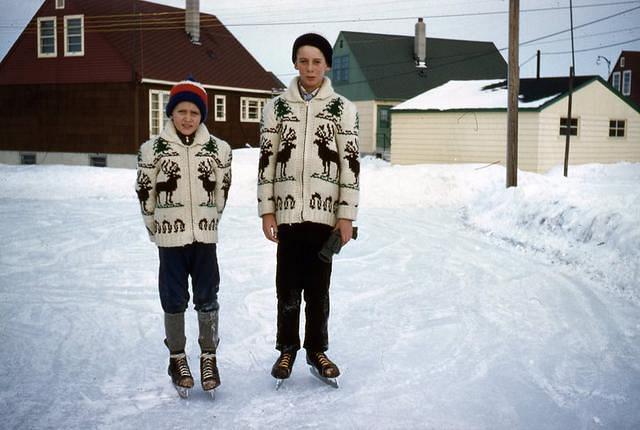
x=299, y=270
x=198, y=260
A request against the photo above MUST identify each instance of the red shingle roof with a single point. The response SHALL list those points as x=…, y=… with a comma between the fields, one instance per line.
x=127, y=40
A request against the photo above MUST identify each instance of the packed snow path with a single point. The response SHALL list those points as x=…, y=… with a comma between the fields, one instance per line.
x=434, y=325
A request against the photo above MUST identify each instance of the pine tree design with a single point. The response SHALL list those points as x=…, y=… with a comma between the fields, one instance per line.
x=161, y=146
x=332, y=110
x=283, y=111
x=209, y=149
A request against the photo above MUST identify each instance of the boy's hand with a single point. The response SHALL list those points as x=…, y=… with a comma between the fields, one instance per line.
x=346, y=229
x=270, y=227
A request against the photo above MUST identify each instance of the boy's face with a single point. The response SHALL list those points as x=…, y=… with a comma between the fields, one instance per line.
x=311, y=67
x=186, y=118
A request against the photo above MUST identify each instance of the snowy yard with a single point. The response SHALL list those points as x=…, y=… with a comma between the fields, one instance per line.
x=462, y=305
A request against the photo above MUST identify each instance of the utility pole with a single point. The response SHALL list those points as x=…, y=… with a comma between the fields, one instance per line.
x=513, y=85
x=571, y=74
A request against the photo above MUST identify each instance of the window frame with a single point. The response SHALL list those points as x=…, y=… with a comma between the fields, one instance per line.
x=223, y=99
x=98, y=160
x=27, y=157
x=563, y=127
x=340, y=69
x=626, y=83
x=616, y=80
x=245, y=108
x=55, y=37
x=616, y=128
x=67, y=53
x=162, y=117
x=59, y=4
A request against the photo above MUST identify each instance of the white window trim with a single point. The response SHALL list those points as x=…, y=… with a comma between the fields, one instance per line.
x=244, y=117
x=162, y=117
x=621, y=61
x=59, y=4
x=625, y=74
x=223, y=99
x=573, y=118
x=66, y=41
x=55, y=37
x=617, y=127
x=615, y=80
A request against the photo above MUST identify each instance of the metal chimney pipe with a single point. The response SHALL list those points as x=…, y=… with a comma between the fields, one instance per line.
x=420, y=44
x=192, y=20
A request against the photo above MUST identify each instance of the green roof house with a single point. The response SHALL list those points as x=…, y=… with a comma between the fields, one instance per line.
x=379, y=71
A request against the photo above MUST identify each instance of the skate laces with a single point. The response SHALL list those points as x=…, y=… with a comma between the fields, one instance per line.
x=323, y=360
x=208, y=360
x=181, y=364
x=285, y=360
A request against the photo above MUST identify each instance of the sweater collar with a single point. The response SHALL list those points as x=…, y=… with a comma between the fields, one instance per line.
x=293, y=91
x=200, y=137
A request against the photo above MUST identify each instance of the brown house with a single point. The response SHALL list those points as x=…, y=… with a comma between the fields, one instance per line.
x=625, y=76
x=87, y=80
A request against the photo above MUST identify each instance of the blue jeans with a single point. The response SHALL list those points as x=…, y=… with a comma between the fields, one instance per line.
x=198, y=260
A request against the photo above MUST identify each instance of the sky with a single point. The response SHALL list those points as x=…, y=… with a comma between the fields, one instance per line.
x=268, y=32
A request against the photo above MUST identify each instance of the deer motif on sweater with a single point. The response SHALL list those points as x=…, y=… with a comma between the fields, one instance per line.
x=288, y=138
x=172, y=171
x=144, y=186
x=205, y=168
x=265, y=153
x=352, y=158
x=324, y=138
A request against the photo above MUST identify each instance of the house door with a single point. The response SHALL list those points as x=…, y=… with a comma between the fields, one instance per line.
x=383, y=131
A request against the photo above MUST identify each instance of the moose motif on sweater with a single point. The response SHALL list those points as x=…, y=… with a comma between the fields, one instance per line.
x=205, y=170
x=172, y=171
x=142, y=190
x=352, y=158
x=328, y=156
x=288, y=138
x=265, y=153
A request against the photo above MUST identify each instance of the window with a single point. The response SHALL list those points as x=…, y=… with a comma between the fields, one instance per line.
x=616, y=128
x=74, y=35
x=157, y=104
x=221, y=108
x=98, y=160
x=251, y=109
x=615, y=80
x=621, y=61
x=47, y=37
x=27, y=158
x=59, y=4
x=340, y=69
x=626, y=83
x=563, y=126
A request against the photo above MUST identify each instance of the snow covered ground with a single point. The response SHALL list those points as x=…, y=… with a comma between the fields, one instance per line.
x=462, y=305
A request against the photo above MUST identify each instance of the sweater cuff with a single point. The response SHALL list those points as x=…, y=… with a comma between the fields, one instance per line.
x=347, y=212
x=267, y=207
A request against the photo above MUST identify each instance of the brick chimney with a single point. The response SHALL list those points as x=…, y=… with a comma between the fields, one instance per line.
x=192, y=20
x=420, y=44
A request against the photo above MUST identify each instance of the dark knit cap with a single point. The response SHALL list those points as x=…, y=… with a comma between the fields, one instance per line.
x=315, y=40
x=188, y=91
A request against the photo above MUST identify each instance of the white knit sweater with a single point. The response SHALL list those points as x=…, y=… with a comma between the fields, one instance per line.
x=183, y=189
x=309, y=167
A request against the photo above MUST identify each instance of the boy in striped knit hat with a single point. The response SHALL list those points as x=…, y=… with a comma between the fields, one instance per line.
x=183, y=181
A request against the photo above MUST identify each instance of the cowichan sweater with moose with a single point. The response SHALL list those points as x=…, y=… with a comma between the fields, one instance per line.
x=183, y=189
x=309, y=166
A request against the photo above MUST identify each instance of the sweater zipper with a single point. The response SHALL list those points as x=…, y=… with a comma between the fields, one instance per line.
x=193, y=226
x=304, y=147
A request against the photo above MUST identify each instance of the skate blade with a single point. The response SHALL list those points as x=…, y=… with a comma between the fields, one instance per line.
x=212, y=393
x=279, y=383
x=332, y=382
x=182, y=391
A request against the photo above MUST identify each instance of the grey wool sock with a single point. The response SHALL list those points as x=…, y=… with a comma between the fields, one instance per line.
x=174, y=332
x=208, y=330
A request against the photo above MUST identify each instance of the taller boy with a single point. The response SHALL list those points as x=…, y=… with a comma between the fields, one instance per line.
x=307, y=187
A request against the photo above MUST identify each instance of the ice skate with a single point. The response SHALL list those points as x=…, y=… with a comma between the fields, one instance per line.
x=322, y=368
x=209, y=376
x=281, y=369
x=180, y=374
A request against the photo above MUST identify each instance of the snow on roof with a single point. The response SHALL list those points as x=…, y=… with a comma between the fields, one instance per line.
x=478, y=94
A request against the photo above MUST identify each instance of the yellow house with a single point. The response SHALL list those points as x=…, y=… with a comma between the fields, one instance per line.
x=466, y=122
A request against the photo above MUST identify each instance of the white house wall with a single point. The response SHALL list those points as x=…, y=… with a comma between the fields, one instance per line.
x=367, y=118
x=460, y=137
x=125, y=161
x=594, y=106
